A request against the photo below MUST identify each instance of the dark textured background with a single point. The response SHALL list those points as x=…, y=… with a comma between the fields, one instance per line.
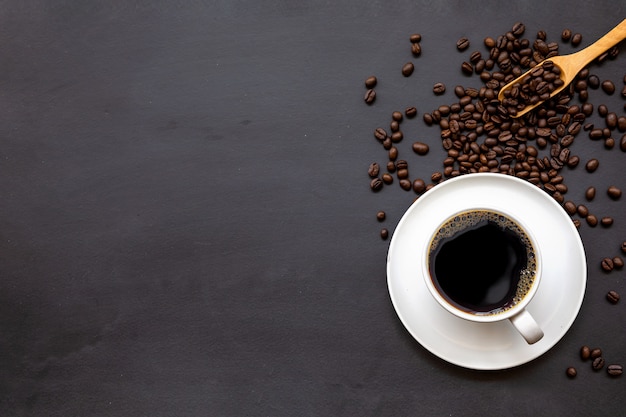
x=186, y=225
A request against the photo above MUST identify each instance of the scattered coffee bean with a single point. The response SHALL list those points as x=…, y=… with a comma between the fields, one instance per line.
x=384, y=234
x=618, y=263
x=380, y=216
x=582, y=210
x=598, y=363
x=606, y=221
x=608, y=87
x=614, y=192
x=613, y=297
x=607, y=264
x=407, y=69
x=614, y=370
x=571, y=372
x=405, y=184
x=592, y=220
x=387, y=178
x=410, y=112
x=419, y=186
x=380, y=134
x=370, y=82
x=376, y=184
x=623, y=247
x=462, y=44
x=590, y=194
x=577, y=38
x=416, y=49
x=415, y=38
x=373, y=169
x=396, y=116
x=592, y=165
x=566, y=35
x=370, y=96
x=420, y=148
x=585, y=353
x=570, y=207
x=595, y=353
x=439, y=88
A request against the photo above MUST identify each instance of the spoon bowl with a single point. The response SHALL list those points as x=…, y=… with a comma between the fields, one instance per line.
x=569, y=65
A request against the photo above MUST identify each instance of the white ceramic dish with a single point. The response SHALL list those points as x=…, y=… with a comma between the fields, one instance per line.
x=487, y=346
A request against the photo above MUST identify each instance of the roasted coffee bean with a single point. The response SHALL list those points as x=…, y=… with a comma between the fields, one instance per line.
x=370, y=96
x=402, y=173
x=618, y=263
x=570, y=207
x=419, y=186
x=397, y=136
x=609, y=143
x=407, y=69
x=391, y=166
x=436, y=177
x=606, y=221
x=622, y=143
x=608, y=86
x=420, y=148
x=370, y=82
x=590, y=194
x=410, y=112
x=595, y=353
x=467, y=68
x=439, y=88
x=613, y=297
x=405, y=184
x=393, y=153
x=380, y=134
x=384, y=234
x=592, y=165
x=598, y=363
x=571, y=372
x=623, y=247
x=401, y=164
x=396, y=116
x=611, y=120
x=518, y=29
x=592, y=220
x=462, y=44
x=614, y=370
x=607, y=264
x=621, y=123
x=415, y=38
x=585, y=353
x=582, y=210
x=376, y=184
x=416, y=49
x=373, y=169
x=614, y=192
x=380, y=216
x=577, y=38
x=387, y=178
x=566, y=35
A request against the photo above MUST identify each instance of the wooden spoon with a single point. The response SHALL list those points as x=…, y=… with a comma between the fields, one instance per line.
x=571, y=64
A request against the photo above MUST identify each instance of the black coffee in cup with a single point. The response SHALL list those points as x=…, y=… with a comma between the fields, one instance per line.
x=482, y=262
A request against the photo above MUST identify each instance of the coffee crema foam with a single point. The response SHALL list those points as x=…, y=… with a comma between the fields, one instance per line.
x=467, y=220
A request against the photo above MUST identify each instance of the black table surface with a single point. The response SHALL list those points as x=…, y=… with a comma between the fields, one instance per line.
x=187, y=228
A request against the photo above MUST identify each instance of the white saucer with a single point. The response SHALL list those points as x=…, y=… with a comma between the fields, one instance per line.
x=487, y=346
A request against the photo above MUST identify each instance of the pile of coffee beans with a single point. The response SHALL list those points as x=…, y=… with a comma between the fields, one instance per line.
x=480, y=133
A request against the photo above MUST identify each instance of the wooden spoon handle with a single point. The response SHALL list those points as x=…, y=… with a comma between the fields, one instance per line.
x=612, y=38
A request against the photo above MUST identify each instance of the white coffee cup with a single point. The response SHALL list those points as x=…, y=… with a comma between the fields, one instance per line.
x=458, y=272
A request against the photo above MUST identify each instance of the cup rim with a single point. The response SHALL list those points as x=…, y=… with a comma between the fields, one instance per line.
x=483, y=318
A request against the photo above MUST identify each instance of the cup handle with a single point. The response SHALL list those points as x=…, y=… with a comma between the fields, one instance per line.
x=527, y=326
